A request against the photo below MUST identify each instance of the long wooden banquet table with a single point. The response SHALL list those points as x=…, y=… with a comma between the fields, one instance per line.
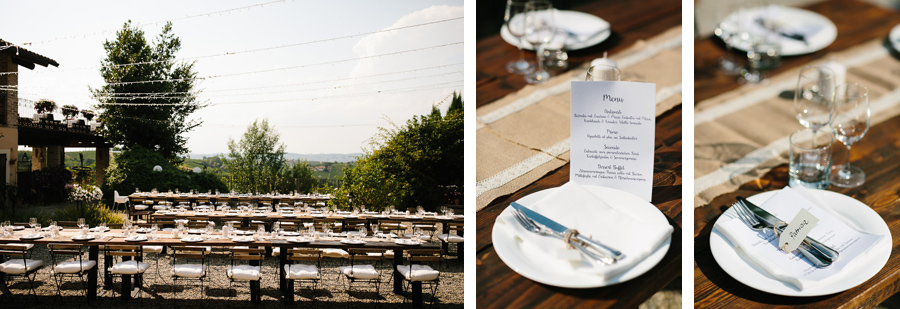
x=228, y=198
x=166, y=238
x=500, y=286
x=878, y=154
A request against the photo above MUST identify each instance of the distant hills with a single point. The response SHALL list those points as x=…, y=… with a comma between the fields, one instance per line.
x=318, y=157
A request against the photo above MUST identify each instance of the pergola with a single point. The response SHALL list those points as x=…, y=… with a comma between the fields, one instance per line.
x=48, y=138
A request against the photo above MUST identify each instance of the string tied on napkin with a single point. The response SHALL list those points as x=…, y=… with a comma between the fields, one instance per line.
x=775, y=230
x=568, y=238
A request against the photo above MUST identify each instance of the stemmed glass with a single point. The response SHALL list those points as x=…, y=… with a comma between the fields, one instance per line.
x=540, y=27
x=850, y=123
x=814, y=97
x=32, y=222
x=602, y=72
x=728, y=63
x=80, y=223
x=514, y=21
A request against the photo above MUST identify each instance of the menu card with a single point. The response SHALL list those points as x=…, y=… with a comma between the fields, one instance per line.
x=794, y=267
x=613, y=131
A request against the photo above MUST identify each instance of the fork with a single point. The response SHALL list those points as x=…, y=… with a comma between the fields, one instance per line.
x=812, y=254
x=531, y=226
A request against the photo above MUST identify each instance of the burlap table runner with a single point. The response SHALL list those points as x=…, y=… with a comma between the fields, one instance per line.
x=525, y=135
x=742, y=134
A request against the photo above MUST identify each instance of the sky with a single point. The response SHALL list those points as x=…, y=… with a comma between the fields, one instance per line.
x=312, y=88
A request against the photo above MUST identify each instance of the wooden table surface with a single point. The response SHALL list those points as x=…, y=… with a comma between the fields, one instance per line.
x=497, y=284
x=878, y=154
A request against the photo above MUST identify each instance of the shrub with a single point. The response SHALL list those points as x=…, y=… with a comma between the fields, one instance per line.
x=93, y=214
x=45, y=186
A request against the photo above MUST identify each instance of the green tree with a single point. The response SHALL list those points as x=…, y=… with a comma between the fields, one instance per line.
x=256, y=160
x=418, y=164
x=299, y=178
x=155, y=114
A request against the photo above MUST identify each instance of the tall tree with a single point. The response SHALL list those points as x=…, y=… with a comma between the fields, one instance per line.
x=153, y=114
x=257, y=159
x=298, y=177
x=418, y=164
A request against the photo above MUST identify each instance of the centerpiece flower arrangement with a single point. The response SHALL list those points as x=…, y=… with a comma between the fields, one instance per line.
x=70, y=111
x=44, y=106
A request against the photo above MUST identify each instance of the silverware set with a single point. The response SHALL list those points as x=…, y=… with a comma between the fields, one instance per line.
x=597, y=253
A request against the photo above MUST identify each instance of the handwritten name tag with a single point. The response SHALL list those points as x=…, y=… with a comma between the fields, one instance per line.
x=797, y=230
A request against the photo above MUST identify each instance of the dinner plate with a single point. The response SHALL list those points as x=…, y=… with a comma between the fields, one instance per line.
x=99, y=229
x=136, y=238
x=299, y=240
x=31, y=237
x=192, y=239
x=319, y=216
x=353, y=241
x=571, y=42
x=509, y=250
x=141, y=207
x=242, y=239
x=407, y=242
x=739, y=267
x=83, y=237
x=291, y=234
x=413, y=217
x=231, y=214
x=144, y=230
x=894, y=38
x=789, y=47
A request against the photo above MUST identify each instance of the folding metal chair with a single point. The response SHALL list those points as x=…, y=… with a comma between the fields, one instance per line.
x=19, y=265
x=63, y=267
x=188, y=271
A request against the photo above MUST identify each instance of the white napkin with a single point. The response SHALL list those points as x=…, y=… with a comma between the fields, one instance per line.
x=574, y=207
x=784, y=22
x=802, y=275
x=582, y=29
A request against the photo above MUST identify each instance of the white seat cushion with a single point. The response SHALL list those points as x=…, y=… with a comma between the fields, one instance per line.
x=27, y=246
x=335, y=253
x=243, y=272
x=159, y=207
x=153, y=249
x=188, y=270
x=387, y=254
x=16, y=267
x=450, y=238
x=129, y=268
x=301, y=271
x=364, y=272
x=276, y=251
x=74, y=267
x=418, y=272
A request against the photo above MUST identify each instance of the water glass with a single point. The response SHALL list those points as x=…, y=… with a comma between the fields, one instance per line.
x=762, y=56
x=555, y=56
x=810, y=158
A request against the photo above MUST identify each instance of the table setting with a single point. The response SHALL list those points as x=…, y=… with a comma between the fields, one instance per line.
x=541, y=156
x=836, y=167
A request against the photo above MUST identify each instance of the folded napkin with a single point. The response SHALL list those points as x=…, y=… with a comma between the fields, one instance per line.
x=794, y=269
x=775, y=17
x=574, y=207
x=582, y=29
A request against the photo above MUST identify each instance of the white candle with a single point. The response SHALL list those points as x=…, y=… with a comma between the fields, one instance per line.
x=604, y=61
x=839, y=70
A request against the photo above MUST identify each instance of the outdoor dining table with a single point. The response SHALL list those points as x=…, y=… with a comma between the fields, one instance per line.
x=861, y=42
x=166, y=238
x=632, y=23
x=228, y=198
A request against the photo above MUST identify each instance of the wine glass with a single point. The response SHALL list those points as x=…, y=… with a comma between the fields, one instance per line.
x=514, y=21
x=80, y=222
x=729, y=32
x=850, y=123
x=32, y=222
x=814, y=97
x=540, y=28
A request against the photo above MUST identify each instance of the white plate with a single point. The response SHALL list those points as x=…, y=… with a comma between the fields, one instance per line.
x=299, y=240
x=571, y=43
x=353, y=241
x=509, y=251
x=99, y=229
x=136, y=238
x=242, y=239
x=192, y=239
x=736, y=263
x=83, y=237
x=31, y=237
x=407, y=242
x=894, y=37
x=291, y=234
x=791, y=47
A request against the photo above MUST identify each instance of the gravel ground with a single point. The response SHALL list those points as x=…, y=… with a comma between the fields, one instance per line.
x=158, y=291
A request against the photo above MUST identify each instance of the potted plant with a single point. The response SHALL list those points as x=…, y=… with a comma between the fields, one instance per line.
x=44, y=107
x=88, y=114
x=70, y=111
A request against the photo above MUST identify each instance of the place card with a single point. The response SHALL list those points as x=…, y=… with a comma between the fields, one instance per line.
x=613, y=132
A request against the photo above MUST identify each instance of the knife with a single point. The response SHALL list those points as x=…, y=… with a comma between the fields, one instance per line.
x=826, y=252
x=578, y=240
